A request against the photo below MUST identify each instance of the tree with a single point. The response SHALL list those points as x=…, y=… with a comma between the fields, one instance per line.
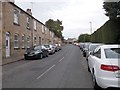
x=112, y=9
x=55, y=26
x=84, y=38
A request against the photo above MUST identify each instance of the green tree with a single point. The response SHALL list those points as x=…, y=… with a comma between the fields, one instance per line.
x=84, y=38
x=55, y=26
x=112, y=9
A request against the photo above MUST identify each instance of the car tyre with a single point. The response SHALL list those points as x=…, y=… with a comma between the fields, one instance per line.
x=47, y=54
x=88, y=69
x=95, y=85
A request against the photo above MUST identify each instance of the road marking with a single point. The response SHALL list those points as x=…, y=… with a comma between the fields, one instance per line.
x=61, y=59
x=45, y=72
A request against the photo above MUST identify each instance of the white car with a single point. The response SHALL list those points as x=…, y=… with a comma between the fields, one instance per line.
x=104, y=65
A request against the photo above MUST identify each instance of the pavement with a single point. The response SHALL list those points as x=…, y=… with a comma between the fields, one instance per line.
x=64, y=69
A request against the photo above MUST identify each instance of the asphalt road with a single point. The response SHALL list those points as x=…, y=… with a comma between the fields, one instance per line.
x=65, y=69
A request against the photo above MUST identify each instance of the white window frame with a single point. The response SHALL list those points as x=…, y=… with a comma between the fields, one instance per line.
x=16, y=40
x=28, y=41
x=43, y=29
x=35, y=25
x=23, y=41
x=28, y=22
x=16, y=16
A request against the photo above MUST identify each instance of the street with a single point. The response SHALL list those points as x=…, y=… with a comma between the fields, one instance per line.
x=64, y=69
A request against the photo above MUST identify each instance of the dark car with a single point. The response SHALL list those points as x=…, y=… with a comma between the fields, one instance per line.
x=36, y=52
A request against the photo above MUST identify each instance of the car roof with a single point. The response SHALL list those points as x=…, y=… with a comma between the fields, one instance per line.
x=110, y=46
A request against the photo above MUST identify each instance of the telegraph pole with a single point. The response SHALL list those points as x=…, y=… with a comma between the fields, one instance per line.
x=90, y=27
x=91, y=30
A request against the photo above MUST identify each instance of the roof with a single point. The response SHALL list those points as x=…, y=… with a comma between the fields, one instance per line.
x=25, y=12
x=110, y=46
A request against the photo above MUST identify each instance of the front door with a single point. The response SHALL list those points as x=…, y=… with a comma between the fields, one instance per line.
x=7, y=44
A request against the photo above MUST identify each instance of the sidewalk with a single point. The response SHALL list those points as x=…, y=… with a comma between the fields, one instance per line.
x=11, y=60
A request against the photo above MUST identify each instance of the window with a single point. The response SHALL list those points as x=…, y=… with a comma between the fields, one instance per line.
x=43, y=29
x=16, y=16
x=40, y=40
x=35, y=40
x=112, y=53
x=98, y=53
x=28, y=41
x=16, y=41
x=23, y=41
x=35, y=25
x=28, y=22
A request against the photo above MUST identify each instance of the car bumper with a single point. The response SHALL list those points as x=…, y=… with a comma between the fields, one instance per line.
x=108, y=82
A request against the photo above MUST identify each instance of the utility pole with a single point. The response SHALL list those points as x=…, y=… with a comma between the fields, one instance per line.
x=90, y=27
x=91, y=30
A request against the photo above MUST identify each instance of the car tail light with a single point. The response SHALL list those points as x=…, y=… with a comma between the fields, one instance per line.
x=110, y=68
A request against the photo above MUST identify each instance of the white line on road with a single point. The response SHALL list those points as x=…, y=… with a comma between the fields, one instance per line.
x=45, y=72
x=61, y=59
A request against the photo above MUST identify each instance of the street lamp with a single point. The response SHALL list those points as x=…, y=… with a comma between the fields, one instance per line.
x=90, y=27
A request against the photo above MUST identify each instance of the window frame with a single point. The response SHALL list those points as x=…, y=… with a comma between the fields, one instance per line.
x=35, y=40
x=23, y=41
x=28, y=22
x=43, y=29
x=97, y=53
x=35, y=25
x=16, y=17
x=16, y=41
x=28, y=41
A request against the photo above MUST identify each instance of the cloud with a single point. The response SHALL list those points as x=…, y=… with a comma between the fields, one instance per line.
x=75, y=14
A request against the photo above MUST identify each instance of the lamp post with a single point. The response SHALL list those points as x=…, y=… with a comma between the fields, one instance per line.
x=90, y=27
x=91, y=31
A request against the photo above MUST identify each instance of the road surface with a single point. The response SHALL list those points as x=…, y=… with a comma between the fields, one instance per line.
x=65, y=69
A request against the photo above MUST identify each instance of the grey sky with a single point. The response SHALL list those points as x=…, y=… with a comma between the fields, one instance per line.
x=75, y=14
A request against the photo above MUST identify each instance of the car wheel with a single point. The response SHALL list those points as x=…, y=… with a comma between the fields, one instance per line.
x=47, y=55
x=95, y=85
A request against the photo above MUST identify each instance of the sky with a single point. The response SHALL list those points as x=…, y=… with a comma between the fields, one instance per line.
x=75, y=15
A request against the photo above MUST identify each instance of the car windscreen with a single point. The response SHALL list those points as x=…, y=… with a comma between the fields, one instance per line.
x=32, y=49
x=87, y=46
x=36, y=48
x=47, y=46
x=112, y=53
x=93, y=47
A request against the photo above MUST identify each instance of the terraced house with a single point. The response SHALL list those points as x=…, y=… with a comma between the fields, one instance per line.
x=19, y=31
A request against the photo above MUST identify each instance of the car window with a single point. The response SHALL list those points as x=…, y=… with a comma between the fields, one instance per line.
x=37, y=48
x=112, y=53
x=93, y=47
x=98, y=53
x=47, y=46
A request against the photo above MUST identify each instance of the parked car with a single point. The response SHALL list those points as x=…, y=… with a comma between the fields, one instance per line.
x=104, y=66
x=85, y=49
x=36, y=52
x=58, y=47
x=81, y=46
x=50, y=48
x=91, y=48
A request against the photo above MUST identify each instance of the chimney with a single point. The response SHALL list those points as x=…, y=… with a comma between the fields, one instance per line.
x=29, y=11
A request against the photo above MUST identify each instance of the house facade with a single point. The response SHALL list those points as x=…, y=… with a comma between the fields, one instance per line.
x=19, y=31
